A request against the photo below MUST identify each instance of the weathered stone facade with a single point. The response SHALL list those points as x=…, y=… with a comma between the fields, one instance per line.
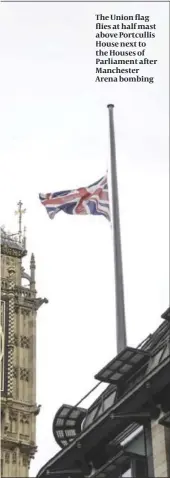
x=19, y=306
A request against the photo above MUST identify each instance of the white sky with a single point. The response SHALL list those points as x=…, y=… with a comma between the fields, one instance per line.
x=54, y=136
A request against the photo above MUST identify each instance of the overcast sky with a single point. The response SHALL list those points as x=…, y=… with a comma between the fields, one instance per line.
x=54, y=136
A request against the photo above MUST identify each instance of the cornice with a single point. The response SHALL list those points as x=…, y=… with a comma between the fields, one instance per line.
x=27, y=448
x=23, y=297
x=12, y=251
x=19, y=406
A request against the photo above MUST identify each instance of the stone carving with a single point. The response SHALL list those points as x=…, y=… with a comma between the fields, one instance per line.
x=14, y=458
x=24, y=342
x=24, y=374
x=7, y=457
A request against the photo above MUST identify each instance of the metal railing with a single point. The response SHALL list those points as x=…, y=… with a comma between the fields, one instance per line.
x=7, y=237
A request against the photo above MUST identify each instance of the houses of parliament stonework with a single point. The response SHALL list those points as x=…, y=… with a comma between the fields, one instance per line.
x=19, y=306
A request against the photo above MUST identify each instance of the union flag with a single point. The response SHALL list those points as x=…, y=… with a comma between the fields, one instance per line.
x=91, y=200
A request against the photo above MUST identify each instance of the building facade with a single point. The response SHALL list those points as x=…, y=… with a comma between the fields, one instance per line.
x=126, y=430
x=19, y=305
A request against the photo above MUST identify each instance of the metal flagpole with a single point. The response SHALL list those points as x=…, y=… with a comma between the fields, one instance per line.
x=120, y=310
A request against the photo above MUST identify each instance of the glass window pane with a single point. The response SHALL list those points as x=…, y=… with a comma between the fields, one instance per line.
x=90, y=417
x=165, y=353
x=100, y=410
x=136, y=358
x=125, y=368
x=116, y=364
x=74, y=414
x=155, y=359
x=136, y=445
x=70, y=423
x=70, y=433
x=60, y=433
x=126, y=355
x=106, y=373
x=64, y=412
x=59, y=421
x=127, y=474
x=115, y=376
x=108, y=402
x=139, y=468
x=64, y=442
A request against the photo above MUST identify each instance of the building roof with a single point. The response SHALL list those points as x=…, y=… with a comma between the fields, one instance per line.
x=134, y=377
x=10, y=244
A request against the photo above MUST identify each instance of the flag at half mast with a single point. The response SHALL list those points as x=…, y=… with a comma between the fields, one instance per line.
x=90, y=200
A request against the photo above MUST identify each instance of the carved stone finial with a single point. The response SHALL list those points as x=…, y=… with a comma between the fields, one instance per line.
x=20, y=212
x=32, y=272
x=32, y=261
x=24, y=238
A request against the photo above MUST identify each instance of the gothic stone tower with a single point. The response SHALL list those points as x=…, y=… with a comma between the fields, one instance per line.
x=19, y=306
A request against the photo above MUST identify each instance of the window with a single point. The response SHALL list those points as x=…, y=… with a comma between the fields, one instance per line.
x=139, y=468
x=1, y=467
x=127, y=474
x=139, y=449
x=14, y=457
x=25, y=461
x=7, y=457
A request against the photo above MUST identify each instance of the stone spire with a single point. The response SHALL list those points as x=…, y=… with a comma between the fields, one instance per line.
x=19, y=306
x=32, y=270
x=20, y=212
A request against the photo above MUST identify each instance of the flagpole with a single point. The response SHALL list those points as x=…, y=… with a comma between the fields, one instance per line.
x=119, y=289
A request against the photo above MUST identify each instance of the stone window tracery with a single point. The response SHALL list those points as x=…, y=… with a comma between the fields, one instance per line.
x=7, y=457
x=13, y=421
x=15, y=372
x=14, y=457
x=25, y=460
x=24, y=342
x=24, y=374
